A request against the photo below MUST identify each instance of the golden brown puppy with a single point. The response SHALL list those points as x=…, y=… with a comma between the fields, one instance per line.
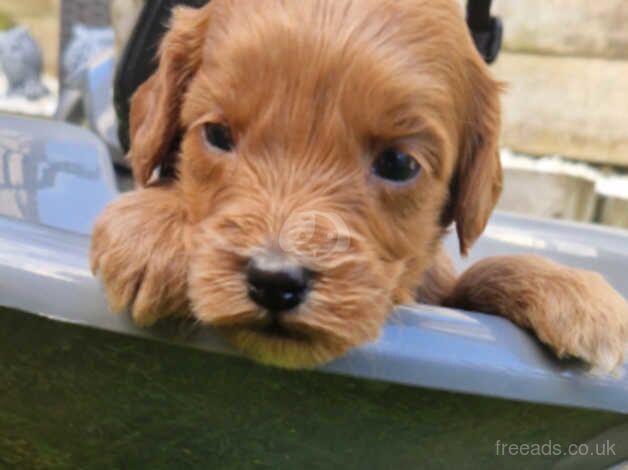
x=322, y=147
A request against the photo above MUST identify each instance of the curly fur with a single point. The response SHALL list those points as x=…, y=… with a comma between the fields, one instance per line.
x=312, y=90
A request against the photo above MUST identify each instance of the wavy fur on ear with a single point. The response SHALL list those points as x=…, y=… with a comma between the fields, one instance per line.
x=477, y=182
x=156, y=106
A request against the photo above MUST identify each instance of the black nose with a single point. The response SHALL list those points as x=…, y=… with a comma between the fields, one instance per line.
x=277, y=290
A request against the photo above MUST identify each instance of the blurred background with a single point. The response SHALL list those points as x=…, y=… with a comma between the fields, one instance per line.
x=565, y=132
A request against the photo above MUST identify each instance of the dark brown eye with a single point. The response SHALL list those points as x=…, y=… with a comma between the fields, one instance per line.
x=394, y=165
x=219, y=136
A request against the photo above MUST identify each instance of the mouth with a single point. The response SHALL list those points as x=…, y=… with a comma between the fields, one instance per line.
x=277, y=330
x=281, y=344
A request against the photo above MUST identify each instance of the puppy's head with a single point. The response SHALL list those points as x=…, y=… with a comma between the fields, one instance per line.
x=322, y=148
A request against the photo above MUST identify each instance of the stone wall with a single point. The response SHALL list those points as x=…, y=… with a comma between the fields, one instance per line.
x=566, y=63
x=570, y=106
x=580, y=28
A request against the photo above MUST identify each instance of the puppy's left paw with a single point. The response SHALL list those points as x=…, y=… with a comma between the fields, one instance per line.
x=575, y=312
x=592, y=322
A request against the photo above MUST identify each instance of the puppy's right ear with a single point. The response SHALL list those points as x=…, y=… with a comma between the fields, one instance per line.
x=156, y=105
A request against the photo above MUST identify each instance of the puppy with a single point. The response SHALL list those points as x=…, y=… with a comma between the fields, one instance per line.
x=322, y=148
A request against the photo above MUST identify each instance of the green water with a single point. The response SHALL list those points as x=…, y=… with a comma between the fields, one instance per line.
x=77, y=398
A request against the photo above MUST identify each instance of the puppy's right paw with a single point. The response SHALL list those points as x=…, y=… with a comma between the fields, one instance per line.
x=575, y=312
x=138, y=250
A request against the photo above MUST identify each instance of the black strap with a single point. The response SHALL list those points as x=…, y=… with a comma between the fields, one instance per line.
x=487, y=30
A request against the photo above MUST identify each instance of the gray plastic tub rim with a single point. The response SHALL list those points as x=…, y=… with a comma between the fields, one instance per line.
x=65, y=180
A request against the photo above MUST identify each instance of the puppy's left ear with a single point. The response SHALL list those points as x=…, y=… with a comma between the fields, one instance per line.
x=156, y=105
x=477, y=183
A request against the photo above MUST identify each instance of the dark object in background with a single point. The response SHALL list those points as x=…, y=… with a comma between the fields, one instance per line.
x=138, y=61
x=22, y=63
x=86, y=42
x=487, y=30
x=88, y=14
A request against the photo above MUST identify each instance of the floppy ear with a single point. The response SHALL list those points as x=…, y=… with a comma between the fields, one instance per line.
x=477, y=183
x=156, y=105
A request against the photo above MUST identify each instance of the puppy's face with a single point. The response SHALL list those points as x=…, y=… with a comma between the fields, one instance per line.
x=324, y=146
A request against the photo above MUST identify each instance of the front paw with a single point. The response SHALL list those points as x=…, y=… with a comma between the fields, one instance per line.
x=575, y=312
x=139, y=253
x=591, y=323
